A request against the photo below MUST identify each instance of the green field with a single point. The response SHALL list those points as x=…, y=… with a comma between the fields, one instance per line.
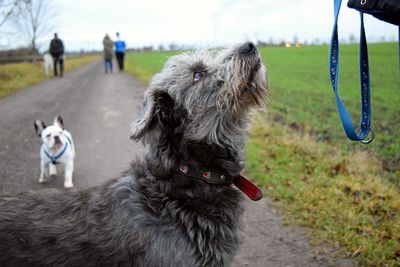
x=145, y=65
x=303, y=98
x=346, y=192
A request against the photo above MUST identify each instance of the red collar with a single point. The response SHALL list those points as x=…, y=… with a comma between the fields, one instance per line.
x=241, y=182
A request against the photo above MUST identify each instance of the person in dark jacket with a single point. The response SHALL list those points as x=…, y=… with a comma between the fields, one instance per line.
x=120, y=47
x=57, y=52
x=108, y=45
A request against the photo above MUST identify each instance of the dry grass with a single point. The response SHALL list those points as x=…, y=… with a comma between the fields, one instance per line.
x=17, y=76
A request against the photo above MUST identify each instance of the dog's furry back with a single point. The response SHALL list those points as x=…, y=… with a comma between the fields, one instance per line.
x=118, y=225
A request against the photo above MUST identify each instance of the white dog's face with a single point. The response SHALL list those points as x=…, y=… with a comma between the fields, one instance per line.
x=52, y=136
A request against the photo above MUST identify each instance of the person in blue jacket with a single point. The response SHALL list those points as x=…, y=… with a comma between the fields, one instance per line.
x=120, y=47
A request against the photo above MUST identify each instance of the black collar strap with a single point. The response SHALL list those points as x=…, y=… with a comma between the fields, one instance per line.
x=241, y=182
x=205, y=175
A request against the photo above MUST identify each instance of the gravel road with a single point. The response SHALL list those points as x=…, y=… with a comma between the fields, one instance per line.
x=97, y=110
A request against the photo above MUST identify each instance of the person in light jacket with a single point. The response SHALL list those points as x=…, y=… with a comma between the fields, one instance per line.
x=108, y=45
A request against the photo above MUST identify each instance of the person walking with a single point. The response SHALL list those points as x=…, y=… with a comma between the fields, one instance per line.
x=57, y=52
x=120, y=47
x=108, y=45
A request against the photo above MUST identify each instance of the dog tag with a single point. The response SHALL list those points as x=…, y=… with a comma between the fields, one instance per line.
x=247, y=187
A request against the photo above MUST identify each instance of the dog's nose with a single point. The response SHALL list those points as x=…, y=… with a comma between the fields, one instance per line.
x=247, y=48
x=57, y=139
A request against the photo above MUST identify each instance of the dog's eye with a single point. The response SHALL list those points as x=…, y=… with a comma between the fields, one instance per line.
x=48, y=136
x=197, y=76
x=227, y=59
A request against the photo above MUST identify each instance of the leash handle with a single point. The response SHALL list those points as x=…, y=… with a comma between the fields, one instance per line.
x=365, y=121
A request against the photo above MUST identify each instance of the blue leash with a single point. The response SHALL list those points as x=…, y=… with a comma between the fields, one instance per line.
x=365, y=122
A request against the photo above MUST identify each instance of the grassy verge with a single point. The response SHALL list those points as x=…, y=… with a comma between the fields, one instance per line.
x=16, y=76
x=340, y=196
x=347, y=193
x=303, y=98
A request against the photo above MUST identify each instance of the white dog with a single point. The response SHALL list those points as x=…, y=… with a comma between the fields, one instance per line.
x=57, y=147
x=48, y=64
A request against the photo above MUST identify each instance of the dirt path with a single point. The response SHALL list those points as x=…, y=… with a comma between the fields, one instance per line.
x=98, y=110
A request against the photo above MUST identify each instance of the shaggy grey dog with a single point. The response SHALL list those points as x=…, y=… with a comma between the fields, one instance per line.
x=176, y=206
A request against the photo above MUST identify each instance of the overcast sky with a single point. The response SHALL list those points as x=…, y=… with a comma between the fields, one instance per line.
x=83, y=23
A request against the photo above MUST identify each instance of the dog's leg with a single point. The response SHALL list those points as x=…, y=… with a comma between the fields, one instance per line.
x=69, y=169
x=52, y=170
x=43, y=172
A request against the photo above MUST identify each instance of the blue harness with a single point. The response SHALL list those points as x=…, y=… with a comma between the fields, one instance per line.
x=54, y=159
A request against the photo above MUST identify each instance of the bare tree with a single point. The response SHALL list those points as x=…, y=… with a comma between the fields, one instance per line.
x=36, y=20
x=9, y=9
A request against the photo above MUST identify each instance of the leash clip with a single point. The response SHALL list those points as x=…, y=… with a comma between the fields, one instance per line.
x=366, y=141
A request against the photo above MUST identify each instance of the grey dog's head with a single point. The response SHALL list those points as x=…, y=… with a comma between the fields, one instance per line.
x=204, y=97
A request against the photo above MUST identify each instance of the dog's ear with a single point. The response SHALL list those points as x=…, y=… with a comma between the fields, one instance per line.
x=39, y=127
x=157, y=106
x=59, y=121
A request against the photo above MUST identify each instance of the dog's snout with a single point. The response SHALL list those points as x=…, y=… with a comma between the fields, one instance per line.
x=57, y=139
x=247, y=48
